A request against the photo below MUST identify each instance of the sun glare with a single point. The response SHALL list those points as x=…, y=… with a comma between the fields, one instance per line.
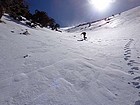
x=101, y=5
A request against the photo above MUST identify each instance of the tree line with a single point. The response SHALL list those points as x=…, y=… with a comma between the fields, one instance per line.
x=18, y=8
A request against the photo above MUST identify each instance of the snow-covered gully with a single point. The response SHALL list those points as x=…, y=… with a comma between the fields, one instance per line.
x=53, y=68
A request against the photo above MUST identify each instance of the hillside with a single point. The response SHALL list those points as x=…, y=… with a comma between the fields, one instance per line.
x=45, y=67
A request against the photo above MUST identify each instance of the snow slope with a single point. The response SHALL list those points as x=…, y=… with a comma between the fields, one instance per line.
x=52, y=68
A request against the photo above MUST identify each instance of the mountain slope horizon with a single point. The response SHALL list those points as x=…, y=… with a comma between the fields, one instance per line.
x=101, y=22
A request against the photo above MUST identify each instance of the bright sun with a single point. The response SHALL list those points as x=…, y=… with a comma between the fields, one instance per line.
x=101, y=5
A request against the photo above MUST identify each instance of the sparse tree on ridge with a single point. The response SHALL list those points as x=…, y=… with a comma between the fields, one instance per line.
x=15, y=8
x=18, y=8
x=40, y=17
x=44, y=20
x=56, y=27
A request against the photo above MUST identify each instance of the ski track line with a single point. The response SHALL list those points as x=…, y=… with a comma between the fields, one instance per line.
x=130, y=63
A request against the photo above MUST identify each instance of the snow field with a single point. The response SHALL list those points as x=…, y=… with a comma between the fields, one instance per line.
x=52, y=68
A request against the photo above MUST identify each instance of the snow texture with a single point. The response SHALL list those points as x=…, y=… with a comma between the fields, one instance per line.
x=45, y=67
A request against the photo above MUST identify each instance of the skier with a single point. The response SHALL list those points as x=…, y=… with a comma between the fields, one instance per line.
x=84, y=35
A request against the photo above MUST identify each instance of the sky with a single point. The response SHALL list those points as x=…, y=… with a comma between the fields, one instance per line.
x=73, y=12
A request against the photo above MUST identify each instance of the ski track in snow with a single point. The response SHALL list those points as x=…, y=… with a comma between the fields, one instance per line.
x=133, y=64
